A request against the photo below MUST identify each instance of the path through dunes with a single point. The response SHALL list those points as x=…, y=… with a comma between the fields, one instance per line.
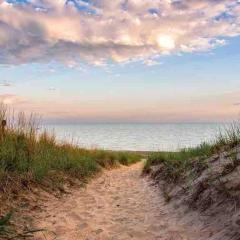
x=119, y=205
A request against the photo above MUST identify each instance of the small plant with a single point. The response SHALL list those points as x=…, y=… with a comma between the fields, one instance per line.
x=4, y=221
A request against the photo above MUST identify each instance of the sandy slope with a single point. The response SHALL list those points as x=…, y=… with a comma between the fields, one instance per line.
x=119, y=205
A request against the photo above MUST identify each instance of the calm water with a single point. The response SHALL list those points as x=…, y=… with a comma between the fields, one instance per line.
x=139, y=137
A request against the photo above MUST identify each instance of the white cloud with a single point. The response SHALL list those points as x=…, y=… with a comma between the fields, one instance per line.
x=119, y=30
x=151, y=62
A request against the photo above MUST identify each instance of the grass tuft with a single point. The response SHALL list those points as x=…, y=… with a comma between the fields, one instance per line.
x=177, y=165
x=4, y=221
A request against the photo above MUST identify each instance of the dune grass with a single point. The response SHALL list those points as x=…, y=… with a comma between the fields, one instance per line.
x=27, y=155
x=30, y=156
x=177, y=165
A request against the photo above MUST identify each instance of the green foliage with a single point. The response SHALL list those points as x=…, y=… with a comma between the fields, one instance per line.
x=27, y=155
x=4, y=222
x=127, y=158
x=5, y=219
x=177, y=165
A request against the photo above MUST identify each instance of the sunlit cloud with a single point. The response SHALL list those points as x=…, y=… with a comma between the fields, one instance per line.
x=99, y=32
x=165, y=42
x=10, y=99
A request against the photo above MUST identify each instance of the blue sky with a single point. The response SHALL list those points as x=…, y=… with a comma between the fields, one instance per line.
x=65, y=77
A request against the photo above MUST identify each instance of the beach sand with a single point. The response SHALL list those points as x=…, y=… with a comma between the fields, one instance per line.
x=118, y=205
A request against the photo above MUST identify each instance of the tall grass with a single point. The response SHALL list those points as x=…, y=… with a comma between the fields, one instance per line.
x=228, y=138
x=177, y=165
x=29, y=156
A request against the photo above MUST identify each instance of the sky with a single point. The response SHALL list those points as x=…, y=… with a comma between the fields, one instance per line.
x=121, y=61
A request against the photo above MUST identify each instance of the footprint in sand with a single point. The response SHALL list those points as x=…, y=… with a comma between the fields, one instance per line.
x=120, y=205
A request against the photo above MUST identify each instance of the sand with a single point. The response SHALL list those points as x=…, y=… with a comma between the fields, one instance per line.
x=118, y=205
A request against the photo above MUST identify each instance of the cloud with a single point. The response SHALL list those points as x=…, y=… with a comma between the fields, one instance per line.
x=132, y=108
x=151, y=62
x=236, y=104
x=52, y=89
x=5, y=84
x=97, y=32
x=11, y=99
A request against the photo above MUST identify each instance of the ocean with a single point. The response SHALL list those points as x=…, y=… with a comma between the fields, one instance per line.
x=137, y=137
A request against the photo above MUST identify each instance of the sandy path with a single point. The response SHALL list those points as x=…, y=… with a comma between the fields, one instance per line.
x=119, y=205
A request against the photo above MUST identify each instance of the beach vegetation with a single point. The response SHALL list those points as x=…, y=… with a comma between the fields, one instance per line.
x=178, y=164
x=30, y=154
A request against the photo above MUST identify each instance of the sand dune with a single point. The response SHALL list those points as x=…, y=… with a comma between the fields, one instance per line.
x=118, y=205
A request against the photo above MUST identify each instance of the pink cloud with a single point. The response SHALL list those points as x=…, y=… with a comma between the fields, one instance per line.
x=56, y=31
